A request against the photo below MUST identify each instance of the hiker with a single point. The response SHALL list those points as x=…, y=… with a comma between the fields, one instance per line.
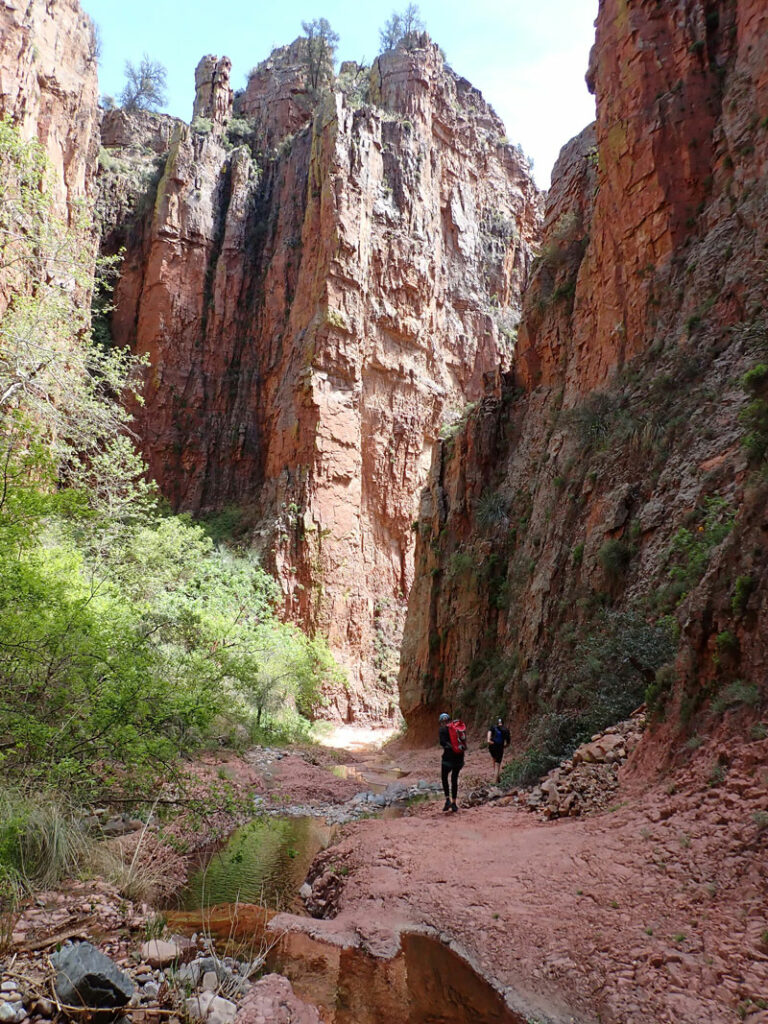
x=498, y=739
x=453, y=739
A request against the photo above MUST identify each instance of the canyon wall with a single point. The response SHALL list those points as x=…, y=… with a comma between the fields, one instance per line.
x=319, y=286
x=597, y=530
x=49, y=87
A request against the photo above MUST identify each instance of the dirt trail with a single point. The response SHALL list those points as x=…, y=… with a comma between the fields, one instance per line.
x=654, y=911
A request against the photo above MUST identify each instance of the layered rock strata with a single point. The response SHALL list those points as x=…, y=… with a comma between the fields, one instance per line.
x=49, y=87
x=317, y=292
x=598, y=528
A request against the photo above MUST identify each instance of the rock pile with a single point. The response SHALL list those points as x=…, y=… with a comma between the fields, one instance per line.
x=361, y=805
x=588, y=780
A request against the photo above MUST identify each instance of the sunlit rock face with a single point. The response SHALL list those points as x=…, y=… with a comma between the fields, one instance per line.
x=549, y=537
x=318, y=288
x=49, y=86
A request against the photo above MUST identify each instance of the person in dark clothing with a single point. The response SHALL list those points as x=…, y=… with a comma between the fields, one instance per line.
x=452, y=764
x=498, y=740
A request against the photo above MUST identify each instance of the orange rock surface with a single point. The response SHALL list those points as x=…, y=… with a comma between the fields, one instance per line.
x=313, y=314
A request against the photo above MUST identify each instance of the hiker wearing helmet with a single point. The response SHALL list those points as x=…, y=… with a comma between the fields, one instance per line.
x=498, y=739
x=453, y=739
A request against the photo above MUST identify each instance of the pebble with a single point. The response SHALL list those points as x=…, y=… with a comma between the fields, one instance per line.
x=12, y=1013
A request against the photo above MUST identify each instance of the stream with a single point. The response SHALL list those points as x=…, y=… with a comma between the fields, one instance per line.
x=233, y=892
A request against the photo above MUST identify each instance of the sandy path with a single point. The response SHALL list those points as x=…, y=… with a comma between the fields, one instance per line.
x=652, y=914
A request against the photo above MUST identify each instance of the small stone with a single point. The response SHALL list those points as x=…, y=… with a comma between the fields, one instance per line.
x=210, y=981
x=221, y=1011
x=8, y=986
x=151, y=990
x=197, y=1006
x=160, y=954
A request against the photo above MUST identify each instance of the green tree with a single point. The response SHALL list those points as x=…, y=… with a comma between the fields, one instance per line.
x=124, y=632
x=402, y=29
x=319, y=49
x=145, y=85
x=57, y=389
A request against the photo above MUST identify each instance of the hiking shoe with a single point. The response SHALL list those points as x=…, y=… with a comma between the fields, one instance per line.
x=447, y=804
x=454, y=808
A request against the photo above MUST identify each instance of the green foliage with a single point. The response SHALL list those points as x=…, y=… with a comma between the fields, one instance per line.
x=578, y=554
x=402, y=30
x=593, y=418
x=614, y=556
x=611, y=671
x=659, y=691
x=320, y=42
x=691, y=549
x=737, y=694
x=41, y=841
x=123, y=632
x=202, y=125
x=145, y=85
x=238, y=131
x=754, y=416
x=491, y=510
x=741, y=592
x=456, y=422
x=461, y=562
x=726, y=643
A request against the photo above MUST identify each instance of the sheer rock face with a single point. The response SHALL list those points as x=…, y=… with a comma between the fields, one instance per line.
x=313, y=313
x=276, y=97
x=49, y=86
x=213, y=96
x=555, y=516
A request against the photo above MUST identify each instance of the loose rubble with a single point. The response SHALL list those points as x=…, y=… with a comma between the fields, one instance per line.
x=361, y=805
x=588, y=780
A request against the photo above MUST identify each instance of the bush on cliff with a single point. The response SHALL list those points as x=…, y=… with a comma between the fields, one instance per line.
x=124, y=631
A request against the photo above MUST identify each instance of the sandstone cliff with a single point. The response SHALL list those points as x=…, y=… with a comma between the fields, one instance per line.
x=318, y=290
x=49, y=86
x=598, y=530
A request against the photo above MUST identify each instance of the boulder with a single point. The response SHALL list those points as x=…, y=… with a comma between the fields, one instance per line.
x=86, y=977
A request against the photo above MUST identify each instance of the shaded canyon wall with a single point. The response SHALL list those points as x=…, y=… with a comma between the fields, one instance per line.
x=599, y=527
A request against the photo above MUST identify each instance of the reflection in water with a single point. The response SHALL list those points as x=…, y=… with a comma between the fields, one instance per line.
x=426, y=983
x=264, y=862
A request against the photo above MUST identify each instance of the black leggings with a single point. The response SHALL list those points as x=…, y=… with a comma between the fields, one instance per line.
x=453, y=771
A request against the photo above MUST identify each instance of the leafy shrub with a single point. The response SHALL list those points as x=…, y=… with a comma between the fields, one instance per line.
x=614, y=556
x=578, y=554
x=202, y=125
x=491, y=510
x=691, y=549
x=735, y=695
x=741, y=592
x=726, y=643
x=607, y=683
x=461, y=562
x=658, y=692
x=754, y=416
x=456, y=422
x=593, y=418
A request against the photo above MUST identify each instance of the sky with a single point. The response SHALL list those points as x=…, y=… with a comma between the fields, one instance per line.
x=527, y=58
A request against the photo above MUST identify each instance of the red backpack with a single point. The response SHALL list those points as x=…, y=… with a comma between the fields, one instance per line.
x=457, y=733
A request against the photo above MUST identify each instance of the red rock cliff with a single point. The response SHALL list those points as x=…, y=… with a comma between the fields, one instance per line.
x=315, y=303
x=49, y=86
x=599, y=528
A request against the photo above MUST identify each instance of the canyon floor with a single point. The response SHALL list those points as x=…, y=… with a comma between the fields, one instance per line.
x=651, y=911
